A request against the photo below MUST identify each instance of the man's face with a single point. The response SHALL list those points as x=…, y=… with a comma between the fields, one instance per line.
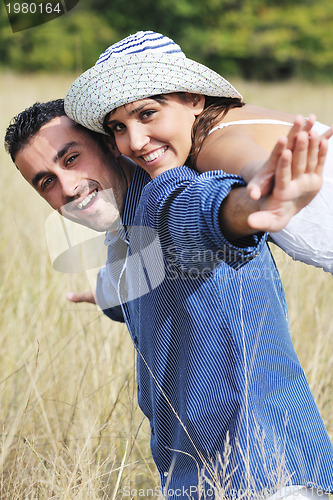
x=71, y=171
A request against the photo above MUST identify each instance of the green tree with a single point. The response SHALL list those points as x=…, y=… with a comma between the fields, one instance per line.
x=261, y=39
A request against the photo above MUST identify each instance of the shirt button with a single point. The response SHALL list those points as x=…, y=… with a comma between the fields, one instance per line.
x=153, y=431
x=135, y=340
x=138, y=388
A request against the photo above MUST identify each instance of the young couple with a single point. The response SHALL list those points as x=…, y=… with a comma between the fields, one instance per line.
x=215, y=358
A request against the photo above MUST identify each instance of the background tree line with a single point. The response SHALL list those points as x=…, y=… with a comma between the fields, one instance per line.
x=259, y=39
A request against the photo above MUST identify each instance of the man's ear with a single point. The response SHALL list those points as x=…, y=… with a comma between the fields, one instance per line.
x=112, y=146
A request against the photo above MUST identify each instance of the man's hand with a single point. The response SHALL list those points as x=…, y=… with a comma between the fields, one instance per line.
x=299, y=160
x=81, y=297
x=296, y=181
x=263, y=182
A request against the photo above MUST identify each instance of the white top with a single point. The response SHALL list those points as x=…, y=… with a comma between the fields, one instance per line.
x=249, y=122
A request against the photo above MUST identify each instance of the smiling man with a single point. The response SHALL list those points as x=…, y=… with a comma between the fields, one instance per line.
x=75, y=170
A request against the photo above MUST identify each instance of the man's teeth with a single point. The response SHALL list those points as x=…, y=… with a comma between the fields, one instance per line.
x=155, y=154
x=86, y=200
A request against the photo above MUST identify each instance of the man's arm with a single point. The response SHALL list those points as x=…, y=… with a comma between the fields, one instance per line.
x=297, y=180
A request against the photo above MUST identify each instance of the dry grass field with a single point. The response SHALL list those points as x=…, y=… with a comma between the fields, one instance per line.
x=70, y=425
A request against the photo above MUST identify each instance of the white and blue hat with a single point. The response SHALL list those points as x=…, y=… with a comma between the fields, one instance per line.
x=139, y=66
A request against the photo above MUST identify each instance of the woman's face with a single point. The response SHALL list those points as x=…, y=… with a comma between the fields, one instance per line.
x=156, y=134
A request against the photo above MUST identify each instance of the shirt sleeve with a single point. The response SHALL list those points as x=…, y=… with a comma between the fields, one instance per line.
x=106, y=297
x=183, y=207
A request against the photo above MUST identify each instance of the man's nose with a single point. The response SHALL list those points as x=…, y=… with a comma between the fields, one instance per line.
x=70, y=182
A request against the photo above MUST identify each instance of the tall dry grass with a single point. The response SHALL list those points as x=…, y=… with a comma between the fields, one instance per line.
x=70, y=426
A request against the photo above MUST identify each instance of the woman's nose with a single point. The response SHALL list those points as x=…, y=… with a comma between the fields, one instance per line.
x=138, y=139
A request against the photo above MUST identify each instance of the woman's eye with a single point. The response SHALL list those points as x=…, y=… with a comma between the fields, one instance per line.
x=118, y=127
x=147, y=114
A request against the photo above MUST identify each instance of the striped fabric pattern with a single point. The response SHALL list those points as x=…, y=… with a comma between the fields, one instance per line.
x=142, y=41
x=215, y=360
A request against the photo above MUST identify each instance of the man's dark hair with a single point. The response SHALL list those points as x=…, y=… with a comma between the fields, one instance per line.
x=27, y=124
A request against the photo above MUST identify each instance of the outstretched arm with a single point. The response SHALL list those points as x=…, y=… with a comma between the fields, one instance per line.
x=297, y=179
x=261, y=179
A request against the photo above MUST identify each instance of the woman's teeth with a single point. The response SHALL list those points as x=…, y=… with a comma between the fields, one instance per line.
x=155, y=154
x=87, y=199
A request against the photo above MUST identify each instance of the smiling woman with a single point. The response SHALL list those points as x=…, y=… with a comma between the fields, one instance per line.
x=153, y=132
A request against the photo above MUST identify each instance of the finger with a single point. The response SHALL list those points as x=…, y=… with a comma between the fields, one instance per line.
x=323, y=147
x=327, y=134
x=313, y=152
x=280, y=146
x=300, y=154
x=266, y=221
x=254, y=191
x=283, y=174
x=309, y=123
x=259, y=221
x=260, y=186
x=295, y=129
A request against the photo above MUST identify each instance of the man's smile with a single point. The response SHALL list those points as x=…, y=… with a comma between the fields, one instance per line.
x=87, y=199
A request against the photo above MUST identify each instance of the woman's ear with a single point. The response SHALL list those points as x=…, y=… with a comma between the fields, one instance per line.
x=197, y=101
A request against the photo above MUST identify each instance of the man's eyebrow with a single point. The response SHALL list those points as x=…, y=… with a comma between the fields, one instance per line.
x=35, y=180
x=63, y=151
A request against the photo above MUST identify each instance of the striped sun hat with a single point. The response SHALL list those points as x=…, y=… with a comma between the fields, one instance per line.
x=139, y=66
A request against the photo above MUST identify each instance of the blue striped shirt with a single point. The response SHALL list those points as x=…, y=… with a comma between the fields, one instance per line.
x=215, y=360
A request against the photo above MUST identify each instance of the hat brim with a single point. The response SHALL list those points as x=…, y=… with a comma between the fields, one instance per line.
x=121, y=80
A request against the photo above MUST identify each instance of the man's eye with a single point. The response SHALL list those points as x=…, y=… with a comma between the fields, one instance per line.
x=70, y=159
x=45, y=184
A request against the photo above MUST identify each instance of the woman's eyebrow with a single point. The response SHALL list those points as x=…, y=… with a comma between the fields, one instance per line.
x=136, y=110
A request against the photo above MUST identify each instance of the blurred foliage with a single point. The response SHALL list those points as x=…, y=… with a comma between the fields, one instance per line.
x=258, y=39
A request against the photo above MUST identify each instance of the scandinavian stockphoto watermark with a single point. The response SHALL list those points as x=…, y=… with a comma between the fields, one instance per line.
x=77, y=248
x=211, y=492
x=23, y=15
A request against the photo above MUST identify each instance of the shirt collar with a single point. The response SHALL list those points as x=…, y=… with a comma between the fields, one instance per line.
x=139, y=180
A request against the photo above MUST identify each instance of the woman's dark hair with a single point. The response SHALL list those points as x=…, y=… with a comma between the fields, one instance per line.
x=27, y=124
x=215, y=109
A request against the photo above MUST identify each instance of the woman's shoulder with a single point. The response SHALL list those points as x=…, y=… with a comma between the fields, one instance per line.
x=261, y=125
x=251, y=114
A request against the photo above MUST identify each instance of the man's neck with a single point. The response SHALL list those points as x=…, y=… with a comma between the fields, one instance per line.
x=128, y=167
